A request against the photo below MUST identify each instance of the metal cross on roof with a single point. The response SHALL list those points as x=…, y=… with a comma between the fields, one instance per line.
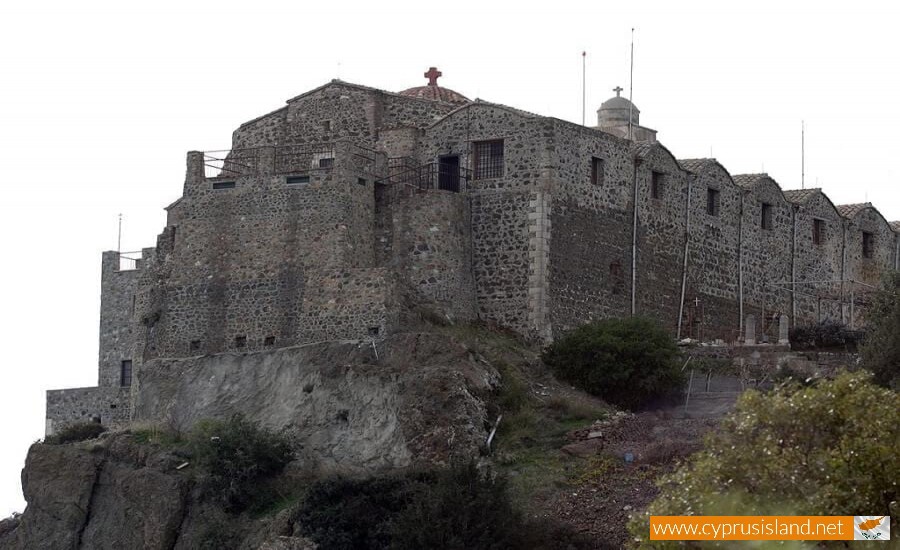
x=617, y=89
x=432, y=76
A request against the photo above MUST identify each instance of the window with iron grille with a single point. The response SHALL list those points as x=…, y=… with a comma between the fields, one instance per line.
x=488, y=159
x=125, y=374
x=766, y=216
x=868, y=243
x=712, y=201
x=597, y=171
x=656, y=185
x=818, y=231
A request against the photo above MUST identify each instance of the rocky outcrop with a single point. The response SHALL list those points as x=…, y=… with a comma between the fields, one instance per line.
x=414, y=397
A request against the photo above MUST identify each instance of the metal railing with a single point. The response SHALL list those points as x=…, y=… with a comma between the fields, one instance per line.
x=129, y=261
x=284, y=159
x=430, y=176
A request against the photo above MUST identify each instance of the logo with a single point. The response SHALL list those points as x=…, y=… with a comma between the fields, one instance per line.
x=871, y=527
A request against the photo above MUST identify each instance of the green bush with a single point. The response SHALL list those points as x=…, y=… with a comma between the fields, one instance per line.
x=881, y=350
x=627, y=362
x=236, y=456
x=453, y=509
x=75, y=432
x=827, y=449
x=825, y=335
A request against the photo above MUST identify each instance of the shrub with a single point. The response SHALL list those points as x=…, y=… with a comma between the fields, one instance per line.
x=881, y=350
x=75, y=432
x=236, y=456
x=825, y=335
x=627, y=362
x=825, y=449
x=457, y=508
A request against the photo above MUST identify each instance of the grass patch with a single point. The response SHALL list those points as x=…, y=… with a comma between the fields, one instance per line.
x=157, y=435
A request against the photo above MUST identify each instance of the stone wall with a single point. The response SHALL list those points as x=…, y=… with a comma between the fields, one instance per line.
x=118, y=290
x=110, y=406
x=813, y=262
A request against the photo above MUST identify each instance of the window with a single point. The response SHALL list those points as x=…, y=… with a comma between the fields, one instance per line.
x=488, y=159
x=125, y=373
x=818, y=232
x=868, y=243
x=712, y=201
x=326, y=125
x=656, y=185
x=361, y=181
x=766, y=216
x=597, y=171
x=240, y=341
x=297, y=180
x=269, y=341
x=217, y=185
x=374, y=331
x=195, y=345
x=327, y=162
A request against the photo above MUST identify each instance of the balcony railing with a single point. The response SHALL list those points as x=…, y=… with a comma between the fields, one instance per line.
x=285, y=159
x=430, y=176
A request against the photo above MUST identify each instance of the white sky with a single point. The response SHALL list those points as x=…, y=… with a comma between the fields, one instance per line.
x=99, y=102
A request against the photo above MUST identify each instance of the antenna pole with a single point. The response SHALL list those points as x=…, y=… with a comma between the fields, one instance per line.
x=119, y=242
x=802, y=154
x=583, y=86
x=631, y=89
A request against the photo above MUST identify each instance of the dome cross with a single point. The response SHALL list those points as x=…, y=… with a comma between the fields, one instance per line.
x=432, y=75
x=617, y=89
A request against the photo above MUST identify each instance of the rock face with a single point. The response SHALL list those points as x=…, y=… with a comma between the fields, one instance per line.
x=418, y=399
x=421, y=400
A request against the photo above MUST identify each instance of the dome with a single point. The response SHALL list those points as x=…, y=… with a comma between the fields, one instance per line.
x=616, y=110
x=433, y=91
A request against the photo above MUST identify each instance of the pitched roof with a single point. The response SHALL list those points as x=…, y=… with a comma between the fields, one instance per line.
x=748, y=181
x=695, y=165
x=800, y=196
x=851, y=210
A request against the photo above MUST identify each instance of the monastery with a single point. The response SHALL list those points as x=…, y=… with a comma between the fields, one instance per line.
x=327, y=215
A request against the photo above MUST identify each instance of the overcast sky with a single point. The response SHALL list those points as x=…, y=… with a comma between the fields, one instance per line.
x=101, y=101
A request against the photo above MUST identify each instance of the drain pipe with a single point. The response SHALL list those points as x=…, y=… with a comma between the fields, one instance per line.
x=843, y=265
x=741, y=269
x=684, y=266
x=634, y=228
x=794, y=212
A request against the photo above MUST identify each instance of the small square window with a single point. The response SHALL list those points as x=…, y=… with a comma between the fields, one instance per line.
x=656, y=185
x=195, y=345
x=125, y=374
x=327, y=162
x=269, y=341
x=326, y=125
x=766, y=216
x=219, y=185
x=297, y=180
x=240, y=341
x=868, y=244
x=818, y=235
x=360, y=181
x=374, y=331
x=712, y=201
x=597, y=171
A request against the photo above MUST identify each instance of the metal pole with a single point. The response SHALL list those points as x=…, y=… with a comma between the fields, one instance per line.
x=119, y=242
x=684, y=267
x=802, y=154
x=583, y=87
x=631, y=88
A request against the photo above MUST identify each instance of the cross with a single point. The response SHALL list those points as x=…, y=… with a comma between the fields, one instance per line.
x=432, y=76
x=617, y=89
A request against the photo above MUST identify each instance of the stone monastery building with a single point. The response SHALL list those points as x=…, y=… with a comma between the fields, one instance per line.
x=327, y=210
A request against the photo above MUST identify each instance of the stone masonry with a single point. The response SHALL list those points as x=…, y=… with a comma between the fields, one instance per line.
x=308, y=227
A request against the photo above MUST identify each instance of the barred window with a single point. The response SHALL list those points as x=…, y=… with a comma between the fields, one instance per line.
x=818, y=231
x=597, y=171
x=712, y=201
x=125, y=374
x=488, y=159
x=868, y=244
x=766, y=216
